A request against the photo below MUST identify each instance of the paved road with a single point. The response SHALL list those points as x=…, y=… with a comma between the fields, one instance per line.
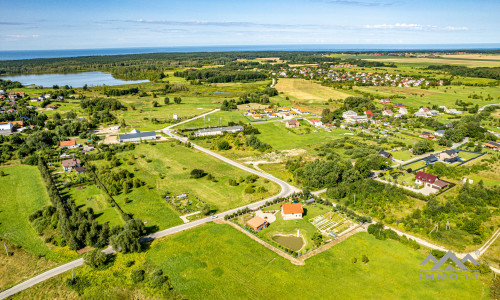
x=286, y=190
x=272, y=84
x=494, y=104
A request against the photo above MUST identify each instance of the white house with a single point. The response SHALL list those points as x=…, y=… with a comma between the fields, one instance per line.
x=387, y=112
x=292, y=211
x=403, y=111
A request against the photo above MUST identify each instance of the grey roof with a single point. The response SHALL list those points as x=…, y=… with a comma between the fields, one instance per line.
x=136, y=135
x=430, y=158
x=494, y=143
x=451, y=151
x=311, y=200
x=384, y=154
x=230, y=128
x=439, y=131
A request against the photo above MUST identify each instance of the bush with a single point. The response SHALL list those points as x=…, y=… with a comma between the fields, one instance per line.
x=249, y=189
x=354, y=260
x=95, y=258
x=197, y=173
x=365, y=259
x=223, y=145
x=137, y=276
x=157, y=279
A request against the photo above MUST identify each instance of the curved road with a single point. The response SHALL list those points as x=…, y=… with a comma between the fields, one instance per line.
x=286, y=190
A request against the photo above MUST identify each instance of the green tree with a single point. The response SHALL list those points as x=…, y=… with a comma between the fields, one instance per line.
x=95, y=258
x=166, y=101
x=365, y=259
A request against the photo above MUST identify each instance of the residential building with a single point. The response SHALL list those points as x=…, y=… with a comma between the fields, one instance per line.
x=369, y=113
x=449, y=155
x=403, y=111
x=283, y=109
x=430, y=180
x=420, y=114
x=71, y=144
x=449, y=125
x=136, y=136
x=427, y=135
x=257, y=223
x=399, y=105
x=80, y=170
x=292, y=211
x=315, y=122
x=453, y=111
x=430, y=159
x=385, y=154
x=385, y=101
x=257, y=116
x=387, y=112
x=439, y=133
x=6, y=128
x=218, y=130
x=292, y=123
x=70, y=164
x=492, y=145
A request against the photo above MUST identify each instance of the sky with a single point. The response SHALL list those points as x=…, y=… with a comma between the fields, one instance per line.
x=69, y=24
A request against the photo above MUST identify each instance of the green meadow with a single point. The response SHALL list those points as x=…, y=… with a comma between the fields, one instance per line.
x=217, y=262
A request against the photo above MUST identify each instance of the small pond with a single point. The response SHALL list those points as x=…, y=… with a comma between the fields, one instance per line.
x=290, y=241
x=71, y=79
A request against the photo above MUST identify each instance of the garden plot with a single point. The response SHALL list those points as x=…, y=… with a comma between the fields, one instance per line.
x=332, y=223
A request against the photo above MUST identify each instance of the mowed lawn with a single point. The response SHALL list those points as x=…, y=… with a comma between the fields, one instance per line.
x=218, y=262
x=277, y=135
x=306, y=90
x=23, y=192
x=175, y=163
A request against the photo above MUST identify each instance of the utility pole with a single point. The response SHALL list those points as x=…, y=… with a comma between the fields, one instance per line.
x=74, y=274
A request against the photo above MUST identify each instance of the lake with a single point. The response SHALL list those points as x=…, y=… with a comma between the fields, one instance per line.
x=72, y=79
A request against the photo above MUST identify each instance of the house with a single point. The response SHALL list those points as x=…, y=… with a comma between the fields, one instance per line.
x=399, y=105
x=425, y=110
x=369, y=113
x=430, y=180
x=273, y=115
x=449, y=125
x=70, y=164
x=292, y=211
x=283, y=109
x=292, y=123
x=453, y=111
x=420, y=114
x=493, y=145
x=257, y=223
x=349, y=116
x=218, y=130
x=315, y=122
x=385, y=154
x=137, y=136
x=434, y=113
x=387, y=112
x=6, y=128
x=449, y=155
x=257, y=116
x=427, y=135
x=71, y=144
x=385, y=101
x=296, y=108
x=403, y=111
x=303, y=111
x=268, y=110
x=80, y=170
x=439, y=133
x=430, y=159
x=52, y=107
x=88, y=148
x=251, y=112
x=310, y=201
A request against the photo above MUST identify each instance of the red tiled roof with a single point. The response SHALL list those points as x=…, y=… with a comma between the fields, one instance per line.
x=67, y=143
x=292, y=208
x=426, y=177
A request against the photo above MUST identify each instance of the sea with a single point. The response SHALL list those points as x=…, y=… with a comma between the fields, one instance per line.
x=33, y=54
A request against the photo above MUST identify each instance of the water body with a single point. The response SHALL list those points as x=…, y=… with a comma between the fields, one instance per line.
x=290, y=241
x=32, y=54
x=72, y=79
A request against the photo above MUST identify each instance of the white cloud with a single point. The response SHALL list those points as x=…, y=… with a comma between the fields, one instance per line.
x=404, y=26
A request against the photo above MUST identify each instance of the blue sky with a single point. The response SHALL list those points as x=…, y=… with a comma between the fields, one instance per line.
x=69, y=24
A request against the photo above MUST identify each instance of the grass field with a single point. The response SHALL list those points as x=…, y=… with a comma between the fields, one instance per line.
x=23, y=193
x=91, y=196
x=175, y=163
x=444, y=95
x=277, y=135
x=443, y=60
x=217, y=262
x=307, y=91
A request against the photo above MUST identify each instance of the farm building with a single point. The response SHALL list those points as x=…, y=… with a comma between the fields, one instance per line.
x=136, y=136
x=292, y=211
x=257, y=223
x=218, y=130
